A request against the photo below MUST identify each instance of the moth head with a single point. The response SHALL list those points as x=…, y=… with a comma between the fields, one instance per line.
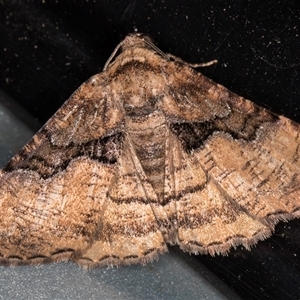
x=131, y=41
x=135, y=40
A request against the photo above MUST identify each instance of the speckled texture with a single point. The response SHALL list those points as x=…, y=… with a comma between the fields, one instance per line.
x=148, y=153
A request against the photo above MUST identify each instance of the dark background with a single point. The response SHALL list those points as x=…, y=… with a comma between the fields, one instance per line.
x=47, y=49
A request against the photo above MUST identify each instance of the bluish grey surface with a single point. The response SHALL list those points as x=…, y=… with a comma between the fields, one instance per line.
x=16, y=127
x=168, y=278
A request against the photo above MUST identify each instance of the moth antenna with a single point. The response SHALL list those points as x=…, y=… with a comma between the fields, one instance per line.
x=111, y=57
x=151, y=45
x=197, y=65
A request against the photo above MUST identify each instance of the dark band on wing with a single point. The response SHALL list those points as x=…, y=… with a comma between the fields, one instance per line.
x=105, y=150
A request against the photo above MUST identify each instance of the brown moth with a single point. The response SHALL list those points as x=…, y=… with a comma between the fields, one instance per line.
x=148, y=153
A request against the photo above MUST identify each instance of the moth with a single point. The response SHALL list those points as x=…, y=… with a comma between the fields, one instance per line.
x=146, y=154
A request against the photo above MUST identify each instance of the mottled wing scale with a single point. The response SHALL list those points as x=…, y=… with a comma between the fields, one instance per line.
x=148, y=153
x=129, y=229
x=248, y=158
x=52, y=193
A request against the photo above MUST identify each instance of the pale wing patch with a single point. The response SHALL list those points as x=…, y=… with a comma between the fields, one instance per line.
x=52, y=219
